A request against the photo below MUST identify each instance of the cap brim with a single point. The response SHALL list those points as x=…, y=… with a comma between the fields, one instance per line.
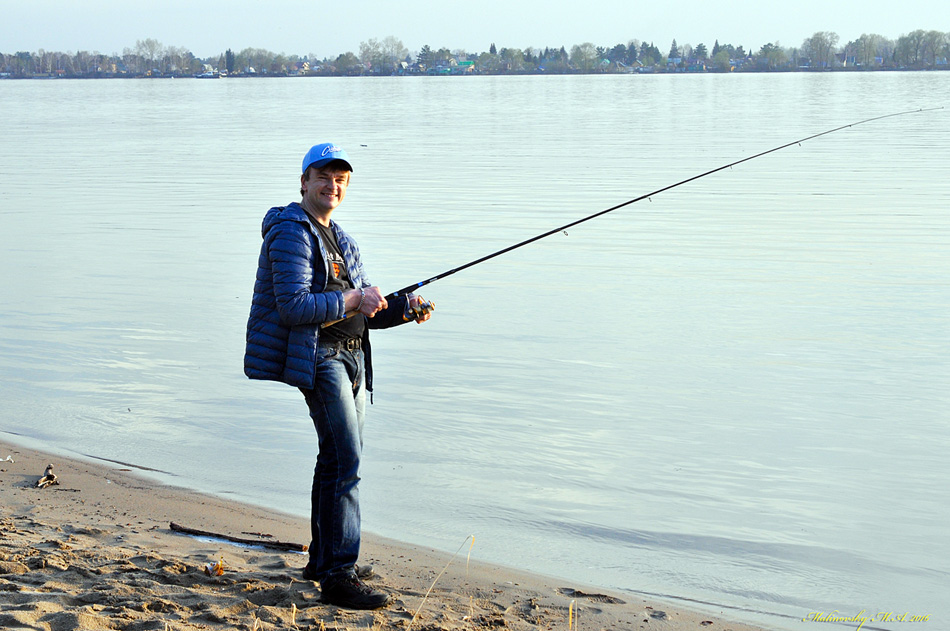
x=322, y=163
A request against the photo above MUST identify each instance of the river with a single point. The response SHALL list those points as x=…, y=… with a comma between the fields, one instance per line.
x=733, y=394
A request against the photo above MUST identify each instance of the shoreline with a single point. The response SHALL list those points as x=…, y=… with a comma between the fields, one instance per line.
x=96, y=551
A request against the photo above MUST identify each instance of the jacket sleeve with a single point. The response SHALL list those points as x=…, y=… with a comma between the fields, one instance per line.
x=390, y=316
x=290, y=248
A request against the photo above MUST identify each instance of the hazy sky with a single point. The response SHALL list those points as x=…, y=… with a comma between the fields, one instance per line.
x=327, y=29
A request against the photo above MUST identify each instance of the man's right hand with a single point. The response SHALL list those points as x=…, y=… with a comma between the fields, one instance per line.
x=373, y=301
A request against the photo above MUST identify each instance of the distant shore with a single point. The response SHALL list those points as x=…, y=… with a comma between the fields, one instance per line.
x=96, y=551
x=638, y=71
x=920, y=49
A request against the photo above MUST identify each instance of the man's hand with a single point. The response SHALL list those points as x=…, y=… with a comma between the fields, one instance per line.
x=419, y=305
x=369, y=304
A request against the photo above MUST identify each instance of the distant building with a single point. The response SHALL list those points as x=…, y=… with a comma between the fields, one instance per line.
x=846, y=60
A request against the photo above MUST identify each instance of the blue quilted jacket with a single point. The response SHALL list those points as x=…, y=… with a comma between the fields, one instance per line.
x=289, y=302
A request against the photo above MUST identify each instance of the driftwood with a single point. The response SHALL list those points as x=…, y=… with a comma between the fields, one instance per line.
x=279, y=545
x=48, y=479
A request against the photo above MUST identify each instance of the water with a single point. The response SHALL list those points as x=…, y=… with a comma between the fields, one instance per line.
x=732, y=394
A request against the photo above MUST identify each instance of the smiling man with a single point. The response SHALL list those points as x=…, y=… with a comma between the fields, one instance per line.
x=309, y=326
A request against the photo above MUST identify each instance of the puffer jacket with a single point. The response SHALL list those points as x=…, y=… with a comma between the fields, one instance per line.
x=289, y=302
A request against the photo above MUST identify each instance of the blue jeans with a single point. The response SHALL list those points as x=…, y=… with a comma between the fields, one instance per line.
x=337, y=405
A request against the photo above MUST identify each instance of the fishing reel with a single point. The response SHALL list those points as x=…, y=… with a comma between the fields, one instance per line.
x=419, y=311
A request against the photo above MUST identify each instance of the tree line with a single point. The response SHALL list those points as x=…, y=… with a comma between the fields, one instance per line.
x=919, y=49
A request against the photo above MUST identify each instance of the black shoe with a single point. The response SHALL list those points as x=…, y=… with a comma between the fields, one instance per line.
x=351, y=593
x=362, y=571
x=308, y=574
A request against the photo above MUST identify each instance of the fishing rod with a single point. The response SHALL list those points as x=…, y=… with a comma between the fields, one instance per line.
x=426, y=307
x=458, y=269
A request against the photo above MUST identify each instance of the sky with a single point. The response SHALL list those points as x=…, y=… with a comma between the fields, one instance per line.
x=323, y=29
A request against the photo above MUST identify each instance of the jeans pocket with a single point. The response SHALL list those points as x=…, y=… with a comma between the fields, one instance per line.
x=327, y=353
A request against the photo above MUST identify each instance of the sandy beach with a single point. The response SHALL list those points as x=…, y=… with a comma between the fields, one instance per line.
x=96, y=551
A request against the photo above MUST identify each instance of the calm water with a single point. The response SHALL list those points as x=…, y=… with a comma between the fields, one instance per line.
x=735, y=393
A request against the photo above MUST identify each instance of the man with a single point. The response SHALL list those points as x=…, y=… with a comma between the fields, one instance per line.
x=308, y=327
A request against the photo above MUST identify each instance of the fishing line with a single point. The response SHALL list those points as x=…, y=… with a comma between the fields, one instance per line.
x=564, y=228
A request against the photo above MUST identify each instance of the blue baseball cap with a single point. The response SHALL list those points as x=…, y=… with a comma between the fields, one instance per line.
x=324, y=153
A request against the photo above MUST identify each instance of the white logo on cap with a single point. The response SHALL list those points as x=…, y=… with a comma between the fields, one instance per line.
x=330, y=149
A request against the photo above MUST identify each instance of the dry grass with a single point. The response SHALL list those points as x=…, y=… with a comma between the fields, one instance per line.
x=429, y=591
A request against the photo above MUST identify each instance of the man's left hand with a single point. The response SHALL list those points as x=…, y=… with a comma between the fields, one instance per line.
x=420, y=308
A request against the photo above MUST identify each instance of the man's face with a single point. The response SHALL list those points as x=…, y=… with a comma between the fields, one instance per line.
x=324, y=189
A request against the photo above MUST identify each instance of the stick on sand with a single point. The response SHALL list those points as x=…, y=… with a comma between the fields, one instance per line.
x=279, y=545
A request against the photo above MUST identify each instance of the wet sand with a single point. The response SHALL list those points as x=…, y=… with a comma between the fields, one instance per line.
x=96, y=551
